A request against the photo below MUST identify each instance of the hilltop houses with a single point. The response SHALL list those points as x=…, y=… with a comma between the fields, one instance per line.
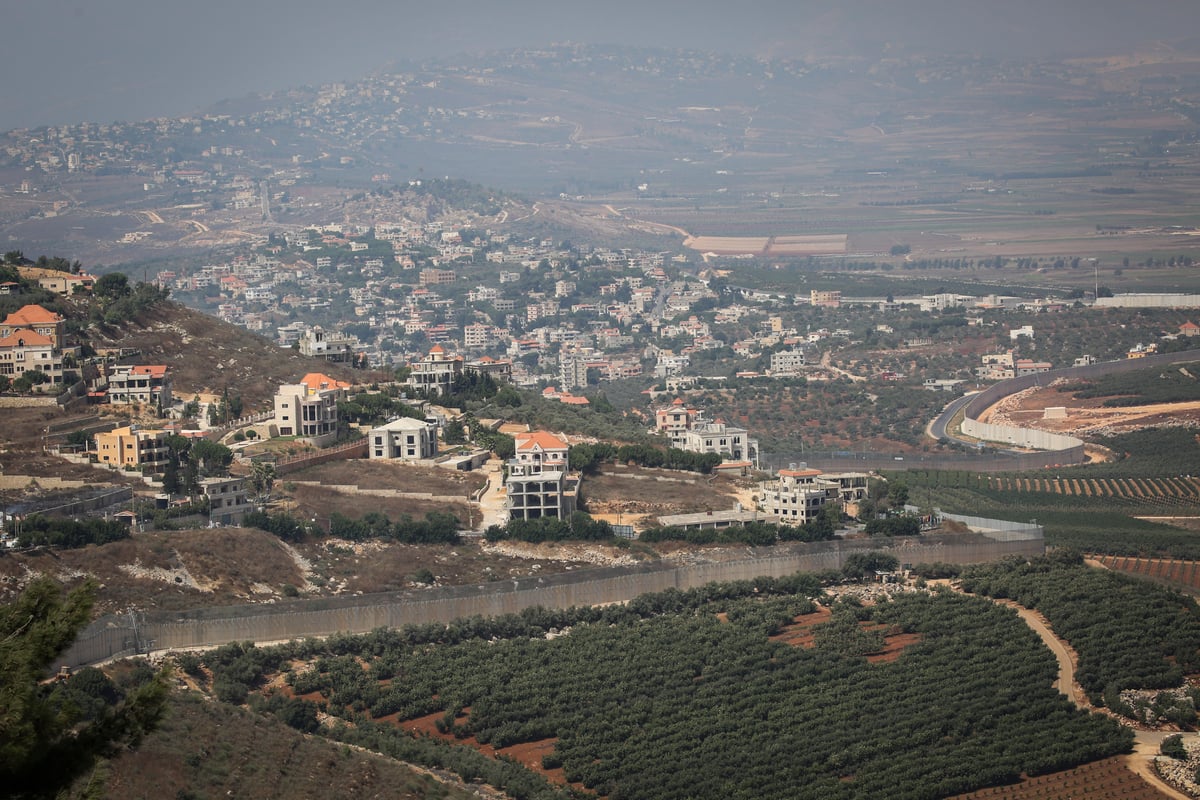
x=687, y=429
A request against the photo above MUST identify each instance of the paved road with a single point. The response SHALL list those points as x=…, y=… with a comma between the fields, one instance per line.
x=937, y=428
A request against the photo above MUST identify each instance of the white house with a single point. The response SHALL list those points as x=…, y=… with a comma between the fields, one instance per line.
x=405, y=438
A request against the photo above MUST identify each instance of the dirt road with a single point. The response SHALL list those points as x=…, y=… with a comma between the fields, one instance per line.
x=1146, y=743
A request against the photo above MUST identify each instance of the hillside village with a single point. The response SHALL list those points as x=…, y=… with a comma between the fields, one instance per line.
x=612, y=319
x=725, y=475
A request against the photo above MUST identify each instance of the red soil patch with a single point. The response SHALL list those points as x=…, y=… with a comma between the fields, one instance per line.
x=800, y=634
x=893, y=646
x=529, y=753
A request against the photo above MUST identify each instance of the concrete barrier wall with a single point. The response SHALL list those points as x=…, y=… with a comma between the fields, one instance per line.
x=1019, y=437
x=115, y=636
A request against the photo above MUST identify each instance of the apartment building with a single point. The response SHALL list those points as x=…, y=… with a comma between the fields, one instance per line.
x=787, y=363
x=134, y=448
x=796, y=496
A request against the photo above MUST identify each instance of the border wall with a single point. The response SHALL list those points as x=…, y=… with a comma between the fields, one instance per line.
x=1055, y=449
x=112, y=636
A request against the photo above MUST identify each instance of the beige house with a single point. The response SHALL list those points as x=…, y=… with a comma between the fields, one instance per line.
x=147, y=385
x=29, y=351
x=308, y=409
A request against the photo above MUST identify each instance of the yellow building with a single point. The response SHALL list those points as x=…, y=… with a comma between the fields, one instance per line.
x=134, y=448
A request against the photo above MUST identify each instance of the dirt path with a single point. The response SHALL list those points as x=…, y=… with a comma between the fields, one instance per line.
x=827, y=363
x=1146, y=743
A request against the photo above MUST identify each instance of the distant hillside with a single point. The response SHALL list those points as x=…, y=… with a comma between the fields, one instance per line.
x=206, y=354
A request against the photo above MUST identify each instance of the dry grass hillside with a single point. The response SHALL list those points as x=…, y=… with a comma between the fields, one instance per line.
x=206, y=749
x=207, y=355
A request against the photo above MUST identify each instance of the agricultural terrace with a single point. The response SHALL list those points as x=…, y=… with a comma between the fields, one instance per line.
x=1144, y=502
x=694, y=680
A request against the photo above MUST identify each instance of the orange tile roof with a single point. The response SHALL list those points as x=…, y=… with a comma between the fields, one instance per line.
x=31, y=315
x=542, y=439
x=26, y=338
x=153, y=370
x=799, y=473
x=316, y=380
x=572, y=400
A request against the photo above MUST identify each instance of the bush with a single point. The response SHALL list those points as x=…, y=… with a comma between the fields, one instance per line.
x=1172, y=747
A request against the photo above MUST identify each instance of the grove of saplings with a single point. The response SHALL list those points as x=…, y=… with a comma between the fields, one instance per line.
x=684, y=695
x=1128, y=633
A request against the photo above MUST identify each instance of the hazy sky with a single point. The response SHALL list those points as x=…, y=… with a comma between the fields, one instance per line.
x=104, y=60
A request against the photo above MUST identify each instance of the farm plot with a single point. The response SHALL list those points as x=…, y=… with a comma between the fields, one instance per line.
x=1179, y=573
x=1181, y=491
x=1108, y=778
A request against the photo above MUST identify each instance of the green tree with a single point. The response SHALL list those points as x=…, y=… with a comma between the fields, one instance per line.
x=112, y=286
x=51, y=734
x=453, y=432
x=262, y=478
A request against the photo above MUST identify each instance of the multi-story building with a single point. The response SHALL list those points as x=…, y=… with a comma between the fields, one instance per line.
x=500, y=369
x=228, y=501
x=146, y=385
x=331, y=345
x=787, y=362
x=829, y=299
x=308, y=409
x=573, y=370
x=29, y=351
x=436, y=277
x=727, y=441
x=478, y=336
x=675, y=420
x=436, y=372
x=134, y=448
x=36, y=319
x=539, y=482
x=406, y=439
x=796, y=496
